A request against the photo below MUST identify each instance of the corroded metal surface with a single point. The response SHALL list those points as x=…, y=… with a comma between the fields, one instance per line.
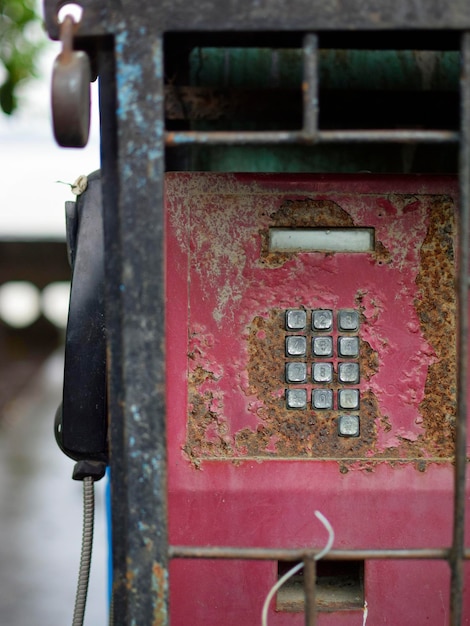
x=132, y=180
x=238, y=294
x=106, y=17
x=437, y=317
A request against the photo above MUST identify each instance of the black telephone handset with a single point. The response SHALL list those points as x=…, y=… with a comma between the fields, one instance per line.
x=81, y=420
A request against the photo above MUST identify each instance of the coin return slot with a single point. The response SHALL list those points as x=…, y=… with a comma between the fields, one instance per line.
x=339, y=587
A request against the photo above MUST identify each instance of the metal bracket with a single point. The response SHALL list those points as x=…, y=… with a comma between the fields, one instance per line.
x=71, y=100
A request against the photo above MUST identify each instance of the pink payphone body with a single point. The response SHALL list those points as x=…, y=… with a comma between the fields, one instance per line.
x=311, y=365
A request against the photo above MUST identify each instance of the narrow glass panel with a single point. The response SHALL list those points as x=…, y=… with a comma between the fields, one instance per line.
x=321, y=240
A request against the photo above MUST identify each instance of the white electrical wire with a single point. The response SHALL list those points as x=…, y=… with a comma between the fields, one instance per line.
x=275, y=588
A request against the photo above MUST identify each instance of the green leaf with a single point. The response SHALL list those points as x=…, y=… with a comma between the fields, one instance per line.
x=19, y=48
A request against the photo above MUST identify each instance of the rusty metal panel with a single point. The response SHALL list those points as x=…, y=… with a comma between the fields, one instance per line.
x=244, y=469
x=239, y=294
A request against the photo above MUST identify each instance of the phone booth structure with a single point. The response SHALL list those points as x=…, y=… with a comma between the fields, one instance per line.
x=279, y=343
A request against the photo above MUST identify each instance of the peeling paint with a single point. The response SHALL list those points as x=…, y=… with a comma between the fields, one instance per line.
x=239, y=291
x=160, y=593
x=127, y=75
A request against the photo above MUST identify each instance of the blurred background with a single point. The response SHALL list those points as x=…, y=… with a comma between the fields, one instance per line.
x=40, y=505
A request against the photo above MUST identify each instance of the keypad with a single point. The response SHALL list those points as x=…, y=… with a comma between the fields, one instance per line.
x=348, y=426
x=348, y=347
x=348, y=320
x=296, y=398
x=296, y=319
x=348, y=399
x=322, y=367
x=348, y=373
x=322, y=319
x=296, y=372
x=296, y=346
x=322, y=372
x=322, y=346
x=322, y=399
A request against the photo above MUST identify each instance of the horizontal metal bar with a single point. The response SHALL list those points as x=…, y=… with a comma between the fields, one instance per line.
x=300, y=137
x=268, y=554
x=390, y=136
x=302, y=15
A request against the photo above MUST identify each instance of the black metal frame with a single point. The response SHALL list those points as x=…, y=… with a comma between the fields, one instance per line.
x=127, y=40
x=303, y=16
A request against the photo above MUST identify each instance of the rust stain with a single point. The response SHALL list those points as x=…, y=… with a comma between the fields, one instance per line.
x=283, y=433
x=129, y=579
x=303, y=433
x=302, y=213
x=207, y=435
x=437, y=311
x=310, y=213
x=160, y=591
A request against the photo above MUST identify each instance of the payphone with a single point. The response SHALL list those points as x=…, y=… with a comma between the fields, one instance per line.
x=311, y=324
x=309, y=343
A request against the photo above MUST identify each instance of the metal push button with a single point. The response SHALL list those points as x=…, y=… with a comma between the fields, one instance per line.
x=322, y=319
x=296, y=398
x=348, y=426
x=348, y=399
x=322, y=346
x=348, y=320
x=296, y=319
x=348, y=373
x=348, y=346
x=296, y=345
x=296, y=372
x=322, y=372
x=322, y=399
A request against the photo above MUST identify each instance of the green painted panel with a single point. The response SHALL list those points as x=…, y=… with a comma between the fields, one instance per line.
x=339, y=69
